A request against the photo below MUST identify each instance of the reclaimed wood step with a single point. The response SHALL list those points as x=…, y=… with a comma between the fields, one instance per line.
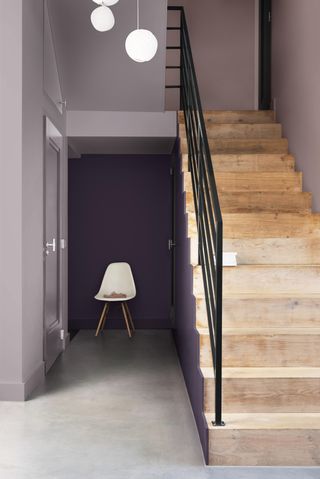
x=275, y=251
x=240, y=131
x=266, y=279
x=264, y=347
x=264, y=225
x=235, y=116
x=229, y=146
x=260, y=182
x=248, y=163
x=269, y=439
x=246, y=202
x=271, y=390
x=258, y=310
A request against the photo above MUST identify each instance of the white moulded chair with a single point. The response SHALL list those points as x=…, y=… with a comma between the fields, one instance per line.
x=117, y=286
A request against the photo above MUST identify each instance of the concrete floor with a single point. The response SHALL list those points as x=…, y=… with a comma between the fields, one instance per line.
x=113, y=408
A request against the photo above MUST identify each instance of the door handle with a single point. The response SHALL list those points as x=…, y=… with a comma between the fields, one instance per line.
x=51, y=245
x=171, y=244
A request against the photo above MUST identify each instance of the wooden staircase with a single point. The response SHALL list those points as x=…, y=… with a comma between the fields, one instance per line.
x=271, y=300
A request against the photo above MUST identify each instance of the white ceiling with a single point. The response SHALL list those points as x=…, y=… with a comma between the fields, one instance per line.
x=95, y=71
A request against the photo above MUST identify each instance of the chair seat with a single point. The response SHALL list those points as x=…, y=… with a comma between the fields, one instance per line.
x=109, y=300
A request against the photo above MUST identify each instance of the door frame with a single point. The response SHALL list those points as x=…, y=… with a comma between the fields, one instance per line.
x=265, y=49
x=56, y=140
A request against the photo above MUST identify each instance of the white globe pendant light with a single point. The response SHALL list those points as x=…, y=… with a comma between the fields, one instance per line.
x=102, y=19
x=106, y=3
x=141, y=45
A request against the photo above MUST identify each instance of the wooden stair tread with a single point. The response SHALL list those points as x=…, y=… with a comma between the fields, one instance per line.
x=260, y=373
x=236, y=116
x=281, y=295
x=263, y=331
x=251, y=225
x=267, y=421
x=301, y=251
x=256, y=201
x=249, y=162
x=272, y=279
x=243, y=145
x=259, y=182
x=259, y=131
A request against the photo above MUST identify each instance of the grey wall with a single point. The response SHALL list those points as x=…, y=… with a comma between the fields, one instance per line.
x=23, y=106
x=222, y=35
x=97, y=72
x=295, y=83
x=10, y=197
x=121, y=124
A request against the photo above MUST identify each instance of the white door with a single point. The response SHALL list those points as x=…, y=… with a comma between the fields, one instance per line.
x=53, y=344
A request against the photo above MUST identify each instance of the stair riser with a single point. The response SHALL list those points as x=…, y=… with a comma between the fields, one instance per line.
x=242, y=225
x=259, y=182
x=266, y=280
x=273, y=280
x=227, y=183
x=244, y=131
x=264, y=225
x=259, y=312
x=275, y=447
x=265, y=350
x=230, y=146
x=276, y=251
x=255, y=202
x=248, y=163
x=239, y=116
x=272, y=395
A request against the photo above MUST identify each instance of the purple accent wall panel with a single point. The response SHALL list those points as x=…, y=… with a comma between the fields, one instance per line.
x=186, y=335
x=120, y=210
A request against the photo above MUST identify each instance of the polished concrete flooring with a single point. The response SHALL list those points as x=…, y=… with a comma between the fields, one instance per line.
x=112, y=408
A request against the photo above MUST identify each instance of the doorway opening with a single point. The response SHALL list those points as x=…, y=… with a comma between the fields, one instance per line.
x=120, y=210
x=265, y=19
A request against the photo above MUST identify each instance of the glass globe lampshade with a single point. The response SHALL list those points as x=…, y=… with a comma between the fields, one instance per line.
x=141, y=45
x=106, y=3
x=102, y=19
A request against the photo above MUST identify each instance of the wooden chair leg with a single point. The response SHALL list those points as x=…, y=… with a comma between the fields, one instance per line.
x=126, y=320
x=105, y=317
x=130, y=317
x=101, y=319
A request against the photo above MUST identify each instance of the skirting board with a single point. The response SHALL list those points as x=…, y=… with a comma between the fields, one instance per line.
x=21, y=391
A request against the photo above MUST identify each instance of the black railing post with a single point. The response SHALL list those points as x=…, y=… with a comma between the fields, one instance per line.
x=207, y=206
x=219, y=286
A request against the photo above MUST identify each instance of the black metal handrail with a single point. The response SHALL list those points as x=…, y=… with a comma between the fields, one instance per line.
x=208, y=212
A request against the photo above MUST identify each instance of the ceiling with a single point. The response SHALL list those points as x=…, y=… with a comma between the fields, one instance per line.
x=119, y=146
x=95, y=71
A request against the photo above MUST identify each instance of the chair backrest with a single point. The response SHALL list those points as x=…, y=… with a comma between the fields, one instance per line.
x=118, y=278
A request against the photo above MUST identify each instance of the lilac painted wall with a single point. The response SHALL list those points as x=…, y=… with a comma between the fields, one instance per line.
x=120, y=210
x=186, y=335
x=23, y=105
x=222, y=35
x=295, y=83
x=96, y=72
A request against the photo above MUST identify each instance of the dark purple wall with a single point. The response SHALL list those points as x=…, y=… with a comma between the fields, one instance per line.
x=186, y=335
x=120, y=210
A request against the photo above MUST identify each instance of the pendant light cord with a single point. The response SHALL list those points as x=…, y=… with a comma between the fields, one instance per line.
x=138, y=14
